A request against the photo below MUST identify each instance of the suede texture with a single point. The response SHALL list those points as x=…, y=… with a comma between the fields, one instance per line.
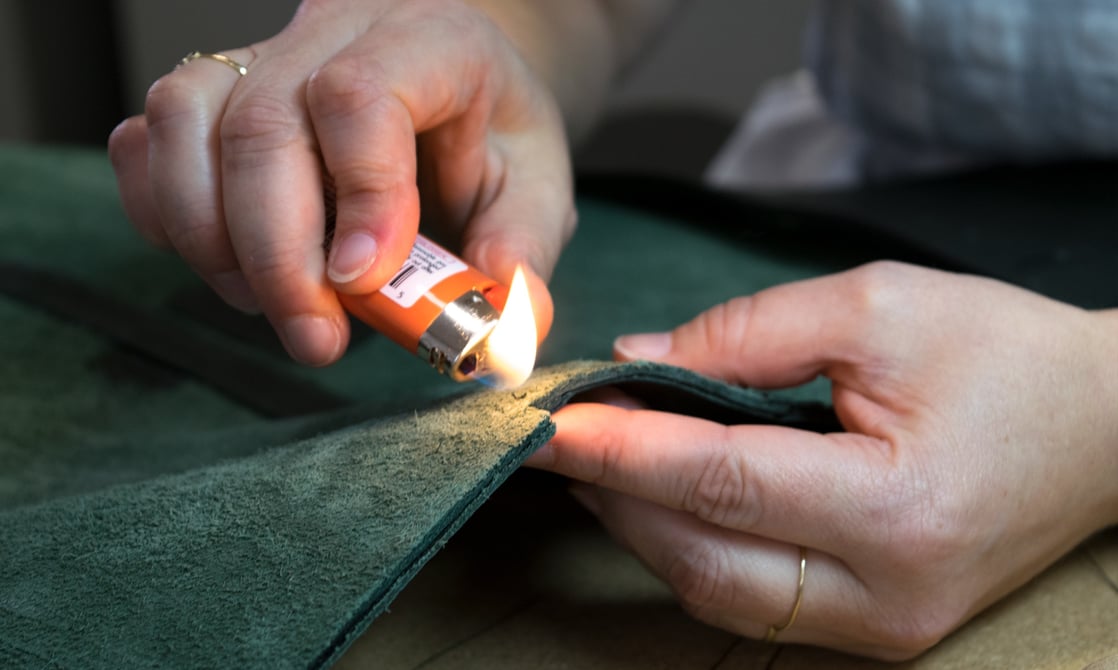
x=152, y=517
x=174, y=492
x=286, y=556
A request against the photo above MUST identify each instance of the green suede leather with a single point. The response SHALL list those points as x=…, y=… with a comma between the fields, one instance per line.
x=175, y=492
x=285, y=556
x=151, y=517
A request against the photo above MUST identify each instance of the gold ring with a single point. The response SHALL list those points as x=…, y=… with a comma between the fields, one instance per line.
x=774, y=629
x=221, y=58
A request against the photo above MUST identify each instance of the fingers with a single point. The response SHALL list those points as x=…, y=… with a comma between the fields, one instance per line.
x=528, y=223
x=790, y=485
x=182, y=111
x=367, y=104
x=236, y=165
x=788, y=334
x=504, y=174
x=531, y=215
x=128, y=151
x=367, y=138
x=273, y=200
x=271, y=189
x=737, y=581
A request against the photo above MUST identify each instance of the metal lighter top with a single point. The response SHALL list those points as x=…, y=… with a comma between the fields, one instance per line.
x=445, y=311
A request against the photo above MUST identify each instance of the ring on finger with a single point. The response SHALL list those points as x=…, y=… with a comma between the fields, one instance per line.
x=221, y=58
x=774, y=629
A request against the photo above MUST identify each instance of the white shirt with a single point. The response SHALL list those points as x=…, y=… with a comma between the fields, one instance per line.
x=897, y=87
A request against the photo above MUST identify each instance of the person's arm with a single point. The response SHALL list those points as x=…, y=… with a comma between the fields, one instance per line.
x=980, y=445
x=395, y=100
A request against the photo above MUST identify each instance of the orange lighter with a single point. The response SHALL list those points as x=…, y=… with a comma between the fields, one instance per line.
x=448, y=312
x=438, y=307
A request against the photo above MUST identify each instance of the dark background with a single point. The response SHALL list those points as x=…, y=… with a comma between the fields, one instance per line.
x=71, y=69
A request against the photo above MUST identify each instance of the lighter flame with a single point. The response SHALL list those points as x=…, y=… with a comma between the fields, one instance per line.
x=511, y=346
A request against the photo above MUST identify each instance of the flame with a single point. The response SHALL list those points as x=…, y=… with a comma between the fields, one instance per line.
x=511, y=346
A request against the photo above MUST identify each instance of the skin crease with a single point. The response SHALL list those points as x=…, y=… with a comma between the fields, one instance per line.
x=979, y=445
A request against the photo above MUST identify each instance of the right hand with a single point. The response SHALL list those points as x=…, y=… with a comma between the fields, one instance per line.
x=396, y=99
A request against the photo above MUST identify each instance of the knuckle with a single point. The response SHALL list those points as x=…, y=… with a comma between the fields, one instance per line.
x=375, y=175
x=273, y=264
x=610, y=449
x=260, y=124
x=170, y=100
x=344, y=86
x=878, y=302
x=698, y=576
x=724, y=327
x=592, y=465
x=200, y=241
x=721, y=495
x=880, y=287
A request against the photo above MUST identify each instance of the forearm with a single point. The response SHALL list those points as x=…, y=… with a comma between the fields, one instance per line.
x=577, y=47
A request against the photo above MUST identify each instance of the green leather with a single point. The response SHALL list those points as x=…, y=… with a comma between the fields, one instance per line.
x=283, y=557
x=151, y=516
x=175, y=492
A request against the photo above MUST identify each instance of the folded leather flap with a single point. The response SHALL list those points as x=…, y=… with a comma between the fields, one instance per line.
x=284, y=557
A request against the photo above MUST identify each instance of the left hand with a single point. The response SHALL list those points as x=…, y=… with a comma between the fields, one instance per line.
x=981, y=444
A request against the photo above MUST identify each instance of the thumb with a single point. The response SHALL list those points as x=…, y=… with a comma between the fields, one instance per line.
x=783, y=336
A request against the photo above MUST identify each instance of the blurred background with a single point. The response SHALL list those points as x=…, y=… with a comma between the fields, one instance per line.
x=71, y=69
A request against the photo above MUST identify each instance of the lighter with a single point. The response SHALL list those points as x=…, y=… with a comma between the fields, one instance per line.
x=464, y=323
x=453, y=316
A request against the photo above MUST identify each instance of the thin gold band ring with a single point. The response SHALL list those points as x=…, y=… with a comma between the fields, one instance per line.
x=774, y=629
x=221, y=58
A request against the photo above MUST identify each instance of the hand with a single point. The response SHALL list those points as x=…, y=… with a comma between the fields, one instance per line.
x=382, y=95
x=981, y=444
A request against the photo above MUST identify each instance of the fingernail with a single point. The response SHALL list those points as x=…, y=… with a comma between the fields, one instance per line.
x=587, y=497
x=351, y=257
x=646, y=346
x=234, y=289
x=311, y=340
